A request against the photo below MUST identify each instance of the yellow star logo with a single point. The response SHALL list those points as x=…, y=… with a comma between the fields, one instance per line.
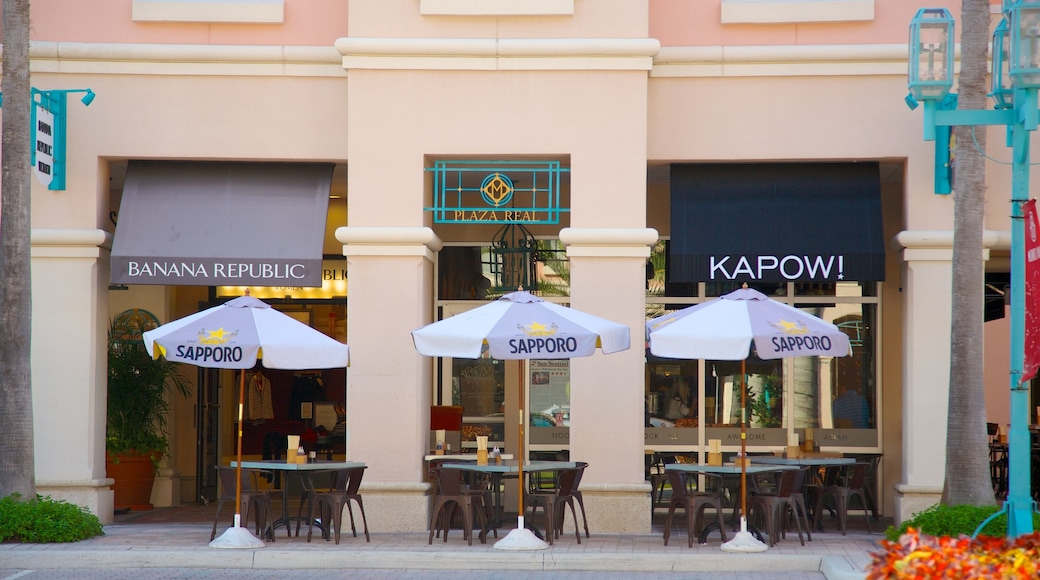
x=538, y=329
x=788, y=327
x=218, y=336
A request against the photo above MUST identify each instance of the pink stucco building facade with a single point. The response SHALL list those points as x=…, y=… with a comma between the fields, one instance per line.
x=647, y=105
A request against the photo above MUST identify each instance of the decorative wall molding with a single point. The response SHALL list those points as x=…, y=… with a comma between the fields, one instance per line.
x=234, y=11
x=796, y=11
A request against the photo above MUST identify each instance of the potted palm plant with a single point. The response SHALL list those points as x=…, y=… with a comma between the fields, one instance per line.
x=138, y=405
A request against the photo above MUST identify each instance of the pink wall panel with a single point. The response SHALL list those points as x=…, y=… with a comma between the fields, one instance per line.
x=698, y=23
x=307, y=23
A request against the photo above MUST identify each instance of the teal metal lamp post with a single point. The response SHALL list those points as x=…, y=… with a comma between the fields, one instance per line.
x=1016, y=78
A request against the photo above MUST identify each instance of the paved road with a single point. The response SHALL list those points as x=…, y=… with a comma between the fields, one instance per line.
x=192, y=573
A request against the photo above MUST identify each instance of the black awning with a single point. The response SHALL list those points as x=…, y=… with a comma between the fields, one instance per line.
x=221, y=224
x=776, y=222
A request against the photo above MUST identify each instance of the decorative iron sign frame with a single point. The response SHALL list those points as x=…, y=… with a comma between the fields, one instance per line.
x=466, y=192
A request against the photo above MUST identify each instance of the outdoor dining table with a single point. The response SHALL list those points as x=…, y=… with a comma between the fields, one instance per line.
x=726, y=470
x=305, y=473
x=499, y=470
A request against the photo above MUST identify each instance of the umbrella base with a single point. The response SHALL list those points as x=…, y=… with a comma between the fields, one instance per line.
x=520, y=539
x=237, y=537
x=744, y=541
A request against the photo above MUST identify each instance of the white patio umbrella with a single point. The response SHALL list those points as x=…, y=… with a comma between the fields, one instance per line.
x=724, y=329
x=521, y=326
x=234, y=335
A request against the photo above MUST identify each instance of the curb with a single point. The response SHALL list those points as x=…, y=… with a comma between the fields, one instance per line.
x=841, y=568
x=268, y=559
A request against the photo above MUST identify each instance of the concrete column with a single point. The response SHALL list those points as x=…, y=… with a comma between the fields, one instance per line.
x=69, y=346
x=388, y=383
x=608, y=268
x=927, y=291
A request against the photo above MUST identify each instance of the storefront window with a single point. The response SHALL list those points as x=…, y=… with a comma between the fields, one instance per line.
x=840, y=393
x=478, y=385
x=765, y=393
x=487, y=272
x=835, y=396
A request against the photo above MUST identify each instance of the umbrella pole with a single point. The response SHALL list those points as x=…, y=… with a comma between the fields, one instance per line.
x=521, y=538
x=237, y=536
x=520, y=444
x=743, y=439
x=238, y=463
x=744, y=541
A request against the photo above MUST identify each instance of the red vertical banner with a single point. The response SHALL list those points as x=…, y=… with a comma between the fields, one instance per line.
x=1031, y=359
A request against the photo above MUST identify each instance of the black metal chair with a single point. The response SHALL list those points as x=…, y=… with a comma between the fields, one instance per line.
x=576, y=494
x=253, y=499
x=554, y=501
x=853, y=485
x=452, y=494
x=786, y=499
x=329, y=504
x=693, y=502
x=657, y=480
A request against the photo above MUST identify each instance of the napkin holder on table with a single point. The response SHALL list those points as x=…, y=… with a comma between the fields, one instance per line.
x=794, y=450
x=482, y=450
x=439, y=442
x=292, y=449
x=714, y=452
x=809, y=445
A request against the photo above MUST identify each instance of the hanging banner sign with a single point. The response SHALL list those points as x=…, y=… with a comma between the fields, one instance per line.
x=1031, y=359
x=43, y=140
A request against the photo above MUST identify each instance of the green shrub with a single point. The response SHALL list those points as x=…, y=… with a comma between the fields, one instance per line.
x=946, y=520
x=44, y=520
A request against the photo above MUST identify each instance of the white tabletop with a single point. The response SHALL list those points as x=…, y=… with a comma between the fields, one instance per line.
x=511, y=466
x=804, y=461
x=463, y=457
x=725, y=469
x=281, y=465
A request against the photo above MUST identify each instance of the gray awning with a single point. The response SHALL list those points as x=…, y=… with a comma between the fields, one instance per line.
x=221, y=224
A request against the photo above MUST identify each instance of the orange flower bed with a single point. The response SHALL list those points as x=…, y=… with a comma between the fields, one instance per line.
x=921, y=557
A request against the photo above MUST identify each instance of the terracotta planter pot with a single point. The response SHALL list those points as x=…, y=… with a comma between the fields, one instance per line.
x=134, y=476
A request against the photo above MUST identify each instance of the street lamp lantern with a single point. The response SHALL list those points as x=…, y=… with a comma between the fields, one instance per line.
x=1001, y=89
x=1024, y=28
x=931, y=54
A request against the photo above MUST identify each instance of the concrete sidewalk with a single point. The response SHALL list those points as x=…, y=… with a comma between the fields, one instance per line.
x=179, y=537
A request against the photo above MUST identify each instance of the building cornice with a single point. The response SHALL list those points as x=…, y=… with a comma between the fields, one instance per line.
x=184, y=59
x=498, y=53
x=642, y=54
x=793, y=60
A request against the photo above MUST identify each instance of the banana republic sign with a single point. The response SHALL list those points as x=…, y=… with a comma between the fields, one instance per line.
x=502, y=192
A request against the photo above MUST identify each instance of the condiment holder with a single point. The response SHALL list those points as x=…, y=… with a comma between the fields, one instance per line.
x=482, y=450
x=714, y=452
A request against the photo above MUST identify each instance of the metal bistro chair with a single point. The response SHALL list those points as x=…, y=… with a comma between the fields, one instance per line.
x=773, y=507
x=853, y=485
x=658, y=477
x=329, y=504
x=252, y=498
x=693, y=503
x=553, y=503
x=576, y=494
x=452, y=494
